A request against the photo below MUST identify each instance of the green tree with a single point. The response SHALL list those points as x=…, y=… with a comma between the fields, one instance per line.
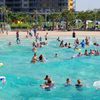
x=55, y=17
x=5, y=11
x=84, y=16
x=40, y=20
x=69, y=17
x=97, y=15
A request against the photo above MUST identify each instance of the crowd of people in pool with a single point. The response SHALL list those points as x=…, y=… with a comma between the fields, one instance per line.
x=77, y=45
x=38, y=43
x=85, y=42
x=48, y=84
x=41, y=58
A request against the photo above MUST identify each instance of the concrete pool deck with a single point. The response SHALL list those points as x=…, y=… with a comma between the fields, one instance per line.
x=56, y=33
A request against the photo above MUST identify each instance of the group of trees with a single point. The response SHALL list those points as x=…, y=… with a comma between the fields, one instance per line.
x=67, y=16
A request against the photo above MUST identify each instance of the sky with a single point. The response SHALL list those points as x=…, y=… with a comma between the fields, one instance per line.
x=87, y=4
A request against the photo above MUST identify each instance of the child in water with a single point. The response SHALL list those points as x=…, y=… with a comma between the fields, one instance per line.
x=41, y=58
x=61, y=44
x=79, y=83
x=56, y=55
x=58, y=39
x=48, y=83
x=86, y=53
x=34, y=59
x=68, y=82
x=76, y=56
x=69, y=46
x=83, y=44
x=9, y=43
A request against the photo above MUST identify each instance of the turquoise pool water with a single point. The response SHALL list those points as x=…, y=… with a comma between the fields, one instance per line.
x=24, y=78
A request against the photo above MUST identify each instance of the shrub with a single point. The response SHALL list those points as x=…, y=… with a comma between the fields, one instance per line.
x=21, y=26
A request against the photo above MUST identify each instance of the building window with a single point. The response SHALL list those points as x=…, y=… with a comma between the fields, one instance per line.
x=25, y=5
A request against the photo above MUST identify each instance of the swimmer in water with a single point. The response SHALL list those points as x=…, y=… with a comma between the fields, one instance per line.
x=76, y=41
x=97, y=53
x=58, y=39
x=47, y=78
x=66, y=45
x=41, y=58
x=92, y=52
x=34, y=49
x=76, y=56
x=79, y=83
x=62, y=43
x=80, y=54
x=86, y=53
x=34, y=59
x=48, y=82
x=68, y=82
x=9, y=43
x=76, y=46
x=40, y=39
x=56, y=55
x=96, y=44
x=3, y=79
x=83, y=44
x=69, y=46
x=33, y=44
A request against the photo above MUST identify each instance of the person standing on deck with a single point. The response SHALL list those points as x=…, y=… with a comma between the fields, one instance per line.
x=73, y=34
x=35, y=31
x=46, y=36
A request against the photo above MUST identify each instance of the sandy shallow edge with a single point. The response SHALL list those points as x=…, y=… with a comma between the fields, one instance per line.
x=56, y=33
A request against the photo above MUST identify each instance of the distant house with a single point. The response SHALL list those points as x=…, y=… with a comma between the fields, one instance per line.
x=97, y=22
